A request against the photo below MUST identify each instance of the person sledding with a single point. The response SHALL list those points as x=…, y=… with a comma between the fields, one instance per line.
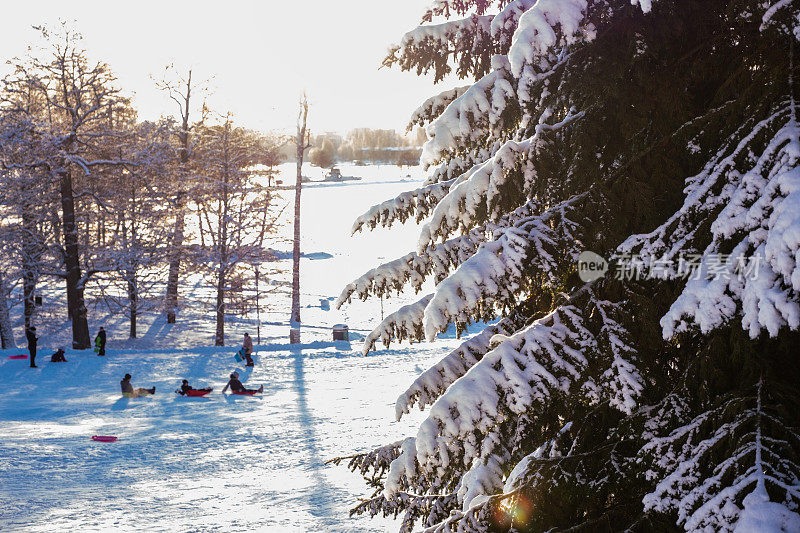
x=237, y=387
x=188, y=390
x=247, y=349
x=129, y=392
x=58, y=357
x=100, y=342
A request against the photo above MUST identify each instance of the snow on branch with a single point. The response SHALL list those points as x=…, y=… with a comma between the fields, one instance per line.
x=418, y=203
x=471, y=117
x=523, y=370
x=471, y=197
x=506, y=22
x=405, y=323
x=704, y=195
x=621, y=382
x=705, y=479
x=440, y=35
x=445, y=8
x=434, y=381
x=433, y=107
x=467, y=42
x=779, y=11
x=455, y=166
x=376, y=461
x=495, y=274
x=416, y=507
x=544, y=27
x=414, y=268
x=753, y=205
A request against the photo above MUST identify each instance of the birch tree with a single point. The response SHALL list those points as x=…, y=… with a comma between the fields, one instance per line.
x=301, y=144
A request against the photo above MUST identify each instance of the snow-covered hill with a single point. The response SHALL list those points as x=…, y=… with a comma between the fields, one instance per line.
x=220, y=463
x=195, y=464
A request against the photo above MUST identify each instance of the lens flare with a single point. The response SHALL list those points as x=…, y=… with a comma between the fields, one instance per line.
x=513, y=511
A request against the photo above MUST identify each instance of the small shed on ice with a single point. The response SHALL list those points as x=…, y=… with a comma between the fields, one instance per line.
x=334, y=174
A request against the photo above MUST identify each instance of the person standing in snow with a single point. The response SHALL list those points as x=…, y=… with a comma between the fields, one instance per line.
x=236, y=385
x=30, y=333
x=100, y=341
x=247, y=346
x=58, y=357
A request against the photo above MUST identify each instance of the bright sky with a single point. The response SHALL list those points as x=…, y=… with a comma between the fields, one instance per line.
x=262, y=55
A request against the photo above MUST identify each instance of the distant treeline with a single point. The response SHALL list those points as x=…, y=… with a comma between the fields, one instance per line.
x=364, y=145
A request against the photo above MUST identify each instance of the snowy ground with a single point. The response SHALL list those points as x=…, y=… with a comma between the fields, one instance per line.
x=194, y=464
x=221, y=463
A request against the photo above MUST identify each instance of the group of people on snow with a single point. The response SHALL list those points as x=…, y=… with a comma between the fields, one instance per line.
x=58, y=356
x=234, y=384
x=128, y=391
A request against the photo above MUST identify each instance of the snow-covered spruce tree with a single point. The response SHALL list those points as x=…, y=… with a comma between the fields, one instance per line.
x=632, y=402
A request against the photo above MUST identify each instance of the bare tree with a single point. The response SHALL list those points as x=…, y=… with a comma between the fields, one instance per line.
x=141, y=222
x=179, y=89
x=63, y=100
x=301, y=144
x=235, y=207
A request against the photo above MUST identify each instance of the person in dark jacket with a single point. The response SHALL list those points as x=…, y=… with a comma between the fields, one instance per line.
x=100, y=341
x=58, y=357
x=236, y=385
x=30, y=333
x=129, y=392
x=185, y=388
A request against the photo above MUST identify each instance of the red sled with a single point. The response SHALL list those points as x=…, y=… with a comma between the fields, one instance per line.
x=21, y=356
x=198, y=392
x=246, y=393
x=104, y=438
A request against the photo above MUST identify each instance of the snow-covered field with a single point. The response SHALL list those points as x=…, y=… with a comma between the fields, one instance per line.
x=219, y=463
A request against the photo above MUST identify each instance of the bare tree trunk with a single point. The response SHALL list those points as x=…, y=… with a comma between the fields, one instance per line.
x=171, y=302
x=222, y=240
x=222, y=272
x=295, y=318
x=132, y=271
x=133, y=302
x=219, y=337
x=184, y=154
x=30, y=257
x=75, y=302
x=302, y=145
x=6, y=331
x=28, y=291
